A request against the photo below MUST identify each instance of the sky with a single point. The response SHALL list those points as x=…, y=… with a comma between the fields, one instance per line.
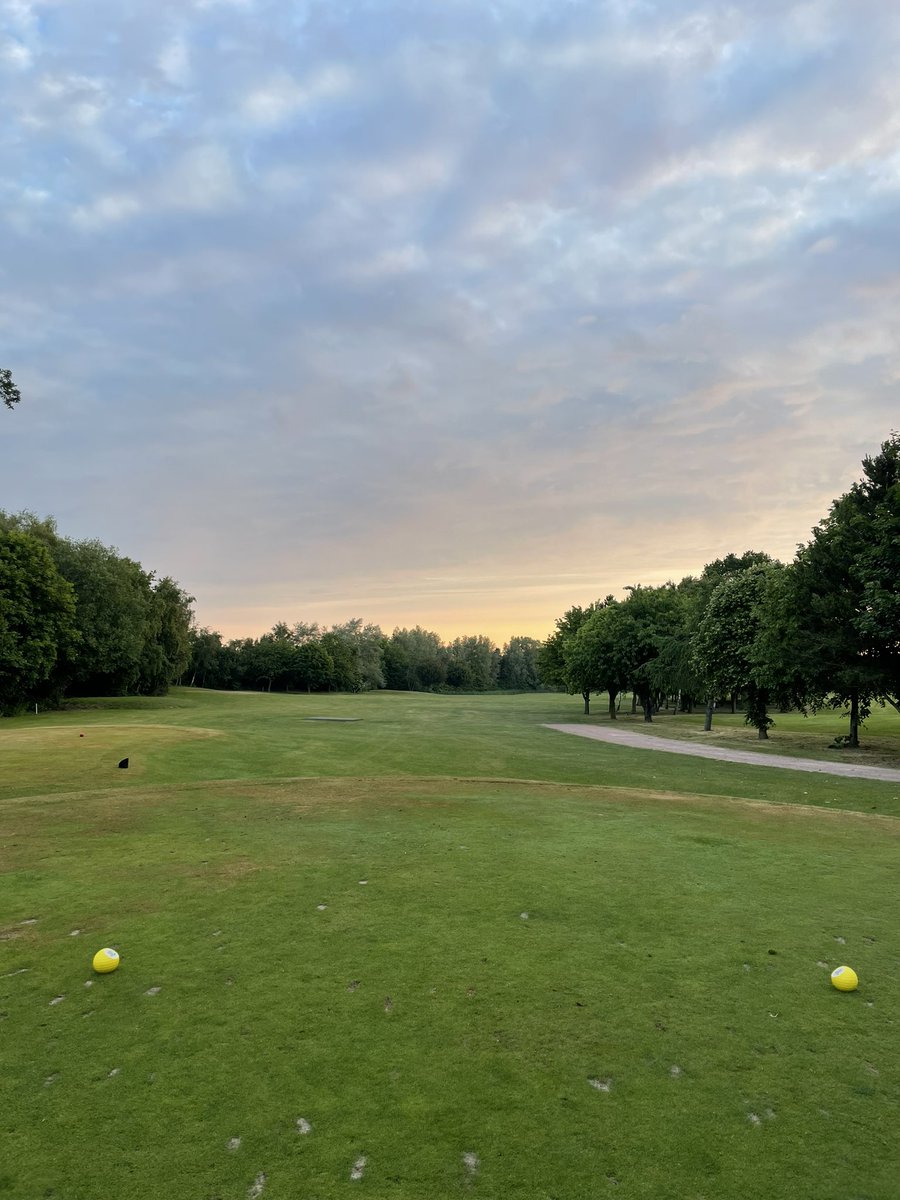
x=453, y=313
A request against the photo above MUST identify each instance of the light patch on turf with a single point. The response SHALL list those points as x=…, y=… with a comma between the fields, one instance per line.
x=29, y=921
x=872, y=1070
x=356, y=1171
x=57, y=1000
x=154, y=991
x=217, y=933
x=524, y=916
x=114, y=1072
x=601, y=1085
x=388, y=1004
x=321, y=907
x=820, y=963
x=257, y=1187
x=89, y=983
x=363, y=881
x=74, y=933
x=470, y=1161
x=754, y=1119
x=352, y=985
x=51, y=1079
x=21, y=971
x=843, y=941
x=233, y=1144
x=303, y=1126
x=674, y=1072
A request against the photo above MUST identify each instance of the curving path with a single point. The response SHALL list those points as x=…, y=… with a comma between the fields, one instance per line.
x=645, y=741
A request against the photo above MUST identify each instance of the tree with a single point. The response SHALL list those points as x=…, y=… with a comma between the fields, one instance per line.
x=517, y=669
x=414, y=660
x=167, y=646
x=648, y=616
x=114, y=601
x=368, y=655
x=8, y=390
x=271, y=660
x=205, y=666
x=37, y=611
x=555, y=664
x=342, y=651
x=847, y=591
x=470, y=663
x=314, y=667
x=596, y=657
x=726, y=647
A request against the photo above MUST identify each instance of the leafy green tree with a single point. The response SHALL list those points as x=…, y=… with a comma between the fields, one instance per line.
x=167, y=647
x=555, y=658
x=114, y=615
x=206, y=661
x=648, y=615
x=314, y=666
x=37, y=617
x=597, y=658
x=847, y=592
x=470, y=663
x=671, y=672
x=727, y=653
x=366, y=642
x=518, y=670
x=270, y=660
x=414, y=660
x=342, y=651
x=8, y=390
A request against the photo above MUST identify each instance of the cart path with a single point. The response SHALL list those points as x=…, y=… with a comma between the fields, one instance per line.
x=643, y=741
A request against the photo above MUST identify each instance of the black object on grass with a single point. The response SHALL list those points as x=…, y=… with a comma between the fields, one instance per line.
x=124, y=763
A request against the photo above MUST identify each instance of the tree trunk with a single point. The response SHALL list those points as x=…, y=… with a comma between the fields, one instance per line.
x=633, y=703
x=647, y=705
x=586, y=697
x=854, y=720
x=707, y=720
x=612, y=706
x=733, y=703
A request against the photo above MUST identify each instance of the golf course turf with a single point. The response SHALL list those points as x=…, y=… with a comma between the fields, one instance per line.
x=435, y=951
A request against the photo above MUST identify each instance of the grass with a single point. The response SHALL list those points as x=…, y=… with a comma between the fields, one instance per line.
x=677, y=916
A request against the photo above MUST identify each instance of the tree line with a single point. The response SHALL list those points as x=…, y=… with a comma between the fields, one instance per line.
x=354, y=657
x=78, y=618
x=821, y=630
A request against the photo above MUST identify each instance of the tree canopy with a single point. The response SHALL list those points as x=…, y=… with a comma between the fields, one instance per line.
x=8, y=390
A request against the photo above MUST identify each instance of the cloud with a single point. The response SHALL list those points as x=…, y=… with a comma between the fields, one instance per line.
x=411, y=304
x=284, y=97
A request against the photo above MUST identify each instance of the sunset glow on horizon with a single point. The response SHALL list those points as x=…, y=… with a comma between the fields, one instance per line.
x=444, y=315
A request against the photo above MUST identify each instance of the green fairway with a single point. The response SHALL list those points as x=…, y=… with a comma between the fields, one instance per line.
x=485, y=958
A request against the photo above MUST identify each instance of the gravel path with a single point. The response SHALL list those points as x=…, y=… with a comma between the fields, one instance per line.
x=646, y=741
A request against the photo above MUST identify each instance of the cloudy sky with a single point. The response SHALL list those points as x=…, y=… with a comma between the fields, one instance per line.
x=451, y=312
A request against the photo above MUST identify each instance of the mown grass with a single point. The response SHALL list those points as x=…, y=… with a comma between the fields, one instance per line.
x=676, y=923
